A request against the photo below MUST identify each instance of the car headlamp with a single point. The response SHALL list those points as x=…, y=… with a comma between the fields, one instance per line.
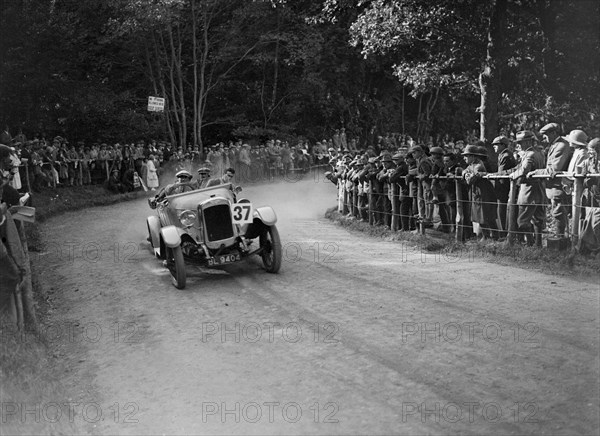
x=187, y=218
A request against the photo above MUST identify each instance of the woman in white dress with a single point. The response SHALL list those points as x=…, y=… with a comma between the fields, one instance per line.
x=152, y=177
x=15, y=161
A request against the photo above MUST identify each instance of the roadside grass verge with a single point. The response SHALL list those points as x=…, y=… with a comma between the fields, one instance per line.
x=52, y=202
x=29, y=390
x=30, y=365
x=437, y=243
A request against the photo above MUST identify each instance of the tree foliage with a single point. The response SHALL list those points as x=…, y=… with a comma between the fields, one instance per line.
x=254, y=69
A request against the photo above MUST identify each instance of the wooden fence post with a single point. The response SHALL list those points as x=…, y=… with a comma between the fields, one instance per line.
x=371, y=204
x=512, y=209
x=460, y=212
x=26, y=286
x=395, y=207
x=576, y=208
x=421, y=198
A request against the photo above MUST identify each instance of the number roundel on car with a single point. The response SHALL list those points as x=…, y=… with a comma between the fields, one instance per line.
x=242, y=213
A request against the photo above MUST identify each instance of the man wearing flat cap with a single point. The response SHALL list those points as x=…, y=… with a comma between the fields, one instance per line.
x=559, y=156
x=204, y=177
x=384, y=201
x=405, y=201
x=531, y=199
x=506, y=161
x=351, y=186
x=424, y=168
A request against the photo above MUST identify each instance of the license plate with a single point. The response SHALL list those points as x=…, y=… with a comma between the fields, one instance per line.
x=221, y=260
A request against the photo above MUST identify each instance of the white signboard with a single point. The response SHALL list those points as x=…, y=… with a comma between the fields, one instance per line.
x=156, y=104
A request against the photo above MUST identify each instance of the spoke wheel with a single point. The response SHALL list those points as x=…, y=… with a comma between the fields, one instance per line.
x=176, y=266
x=271, y=246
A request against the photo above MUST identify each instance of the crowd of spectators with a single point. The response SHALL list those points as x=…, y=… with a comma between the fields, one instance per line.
x=393, y=163
x=419, y=181
x=125, y=167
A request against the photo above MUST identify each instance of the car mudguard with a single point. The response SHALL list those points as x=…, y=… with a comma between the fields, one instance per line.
x=171, y=236
x=154, y=230
x=266, y=214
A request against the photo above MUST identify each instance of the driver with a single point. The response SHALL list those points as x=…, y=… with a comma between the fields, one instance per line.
x=182, y=184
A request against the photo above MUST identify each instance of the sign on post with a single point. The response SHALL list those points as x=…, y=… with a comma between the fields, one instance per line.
x=156, y=104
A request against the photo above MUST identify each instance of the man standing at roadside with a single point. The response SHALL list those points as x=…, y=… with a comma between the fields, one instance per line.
x=532, y=212
x=559, y=156
x=506, y=161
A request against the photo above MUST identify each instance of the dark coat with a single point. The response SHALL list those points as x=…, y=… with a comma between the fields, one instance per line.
x=481, y=192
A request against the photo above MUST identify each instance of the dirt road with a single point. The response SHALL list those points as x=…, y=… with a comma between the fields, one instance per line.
x=354, y=336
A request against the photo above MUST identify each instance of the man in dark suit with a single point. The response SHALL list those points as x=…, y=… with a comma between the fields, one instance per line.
x=559, y=156
x=531, y=199
x=506, y=161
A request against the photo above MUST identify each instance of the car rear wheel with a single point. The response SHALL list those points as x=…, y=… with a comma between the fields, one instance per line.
x=176, y=266
x=271, y=249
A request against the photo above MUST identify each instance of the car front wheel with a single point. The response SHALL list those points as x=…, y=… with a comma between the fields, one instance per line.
x=271, y=249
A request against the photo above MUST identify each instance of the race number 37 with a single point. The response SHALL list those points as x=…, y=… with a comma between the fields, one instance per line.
x=241, y=213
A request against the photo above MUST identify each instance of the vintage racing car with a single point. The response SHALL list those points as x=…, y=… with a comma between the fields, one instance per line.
x=211, y=227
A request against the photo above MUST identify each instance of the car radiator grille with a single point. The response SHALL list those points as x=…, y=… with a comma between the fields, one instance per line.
x=218, y=222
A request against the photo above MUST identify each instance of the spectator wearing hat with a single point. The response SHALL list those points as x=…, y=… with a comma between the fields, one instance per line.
x=424, y=204
x=336, y=140
x=506, y=161
x=559, y=156
x=286, y=158
x=362, y=179
x=15, y=177
x=215, y=158
x=531, y=198
x=384, y=201
x=245, y=162
x=405, y=202
x=452, y=166
x=85, y=158
x=578, y=140
x=413, y=186
x=352, y=144
x=344, y=140
x=438, y=187
x=5, y=136
x=481, y=192
x=375, y=191
x=589, y=237
x=73, y=167
x=114, y=183
x=350, y=181
x=233, y=155
x=39, y=176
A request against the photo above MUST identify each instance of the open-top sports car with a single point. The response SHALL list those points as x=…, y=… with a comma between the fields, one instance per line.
x=210, y=227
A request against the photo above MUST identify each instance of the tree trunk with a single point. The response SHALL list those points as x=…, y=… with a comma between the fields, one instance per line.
x=489, y=79
x=547, y=17
x=159, y=74
x=180, y=85
x=276, y=61
x=403, y=97
x=195, y=68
